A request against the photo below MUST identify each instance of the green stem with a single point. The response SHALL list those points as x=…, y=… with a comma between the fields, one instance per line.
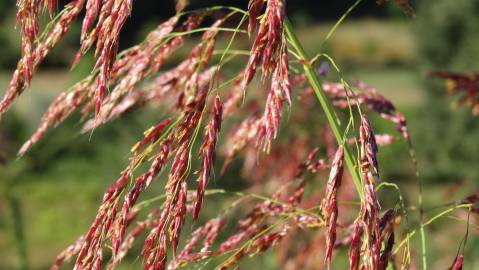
x=429, y=222
x=325, y=104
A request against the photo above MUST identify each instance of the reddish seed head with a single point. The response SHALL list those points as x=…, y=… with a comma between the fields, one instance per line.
x=254, y=8
x=329, y=204
x=457, y=265
x=208, y=152
x=269, y=40
x=355, y=248
x=369, y=147
x=29, y=62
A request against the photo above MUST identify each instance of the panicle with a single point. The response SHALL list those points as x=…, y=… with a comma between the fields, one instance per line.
x=260, y=244
x=107, y=224
x=141, y=183
x=155, y=246
x=234, y=240
x=59, y=110
x=145, y=60
x=208, y=153
x=174, y=207
x=28, y=16
x=129, y=239
x=381, y=139
x=44, y=44
x=254, y=8
x=269, y=39
x=370, y=97
x=125, y=72
x=280, y=85
x=208, y=232
x=91, y=250
x=378, y=103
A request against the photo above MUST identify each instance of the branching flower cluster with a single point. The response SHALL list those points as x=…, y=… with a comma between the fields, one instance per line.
x=303, y=216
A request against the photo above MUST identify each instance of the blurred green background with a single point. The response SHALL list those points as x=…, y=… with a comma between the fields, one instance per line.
x=50, y=196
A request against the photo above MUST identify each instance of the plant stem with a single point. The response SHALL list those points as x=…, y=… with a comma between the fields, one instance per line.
x=325, y=104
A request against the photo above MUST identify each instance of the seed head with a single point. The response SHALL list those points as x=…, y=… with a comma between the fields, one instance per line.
x=329, y=204
x=208, y=152
x=458, y=261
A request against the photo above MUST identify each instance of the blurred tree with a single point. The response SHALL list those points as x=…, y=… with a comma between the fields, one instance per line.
x=448, y=40
x=146, y=12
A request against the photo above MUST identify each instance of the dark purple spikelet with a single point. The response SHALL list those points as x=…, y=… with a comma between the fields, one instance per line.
x=386, y=219
x=208, y=152
x=387, y=252
x=330, y=204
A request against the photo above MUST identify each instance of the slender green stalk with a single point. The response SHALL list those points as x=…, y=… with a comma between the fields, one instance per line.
x=429, y=222
x=325, y=104
x=336, y=25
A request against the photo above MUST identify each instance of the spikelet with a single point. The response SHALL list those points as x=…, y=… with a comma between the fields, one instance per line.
x=355, y=248
x=330, y=204
x=208, y=153
x=268, y=41
x=370, y=205
x=280, y=85
x=68, y=253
